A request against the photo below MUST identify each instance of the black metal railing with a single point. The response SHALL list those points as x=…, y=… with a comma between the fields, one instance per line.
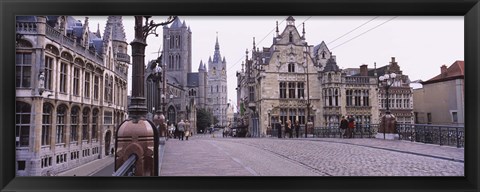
x=449, y=135
x=334, y=131
x=128, y=167
x=433, y=134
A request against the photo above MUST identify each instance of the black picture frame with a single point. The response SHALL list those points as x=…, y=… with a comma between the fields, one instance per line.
x=470, y=9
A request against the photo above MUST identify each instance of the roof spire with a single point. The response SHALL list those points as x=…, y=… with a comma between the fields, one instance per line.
x=253, y=43
x=303, y=32
x=217, y=46
x=98, y=30
x=277, y=29
x=375, y=69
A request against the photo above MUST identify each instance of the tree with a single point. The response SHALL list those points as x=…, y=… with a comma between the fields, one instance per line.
x=204, y=119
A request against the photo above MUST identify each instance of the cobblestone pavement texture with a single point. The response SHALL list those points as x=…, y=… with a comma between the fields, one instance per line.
x=217, y=156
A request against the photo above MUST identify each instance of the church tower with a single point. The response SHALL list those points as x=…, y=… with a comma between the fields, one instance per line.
x=177, y=46
x=217, y=85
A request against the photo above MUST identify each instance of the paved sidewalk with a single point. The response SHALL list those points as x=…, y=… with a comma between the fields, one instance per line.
x=90, y=168
x=196, y=157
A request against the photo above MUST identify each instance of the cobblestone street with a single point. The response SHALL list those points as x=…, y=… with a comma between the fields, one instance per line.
x=204, y=155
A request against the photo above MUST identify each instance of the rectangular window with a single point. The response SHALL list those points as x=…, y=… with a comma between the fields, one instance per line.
x=76, y=81
x=291, y=67
x=48, y=73
x=21, y=165
x=95, y=87
x=251, y=92
x=107, y=118
x=23, y=70
x=301, y=90
x=22, y=128
x=349, y=97
x=455, y=117
x=63, y=77
x=87, y=85
x=365, y=99
x=429, y=118
x=283, y=90
x=291, y=90
x=301, y=116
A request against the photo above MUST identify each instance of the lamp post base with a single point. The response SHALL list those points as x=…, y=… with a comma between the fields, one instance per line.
x=388, y=136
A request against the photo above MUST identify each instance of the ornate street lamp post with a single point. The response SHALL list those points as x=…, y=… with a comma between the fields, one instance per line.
x=388, y=120
x=305, y=65
x=127, y=145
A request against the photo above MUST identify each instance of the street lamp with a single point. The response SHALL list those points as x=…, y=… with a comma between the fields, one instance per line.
x=386, y=81
x=305, y=65
x=269, y=126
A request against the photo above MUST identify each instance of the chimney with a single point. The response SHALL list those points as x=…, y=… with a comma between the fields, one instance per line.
x=443, y=70
x=363, y=70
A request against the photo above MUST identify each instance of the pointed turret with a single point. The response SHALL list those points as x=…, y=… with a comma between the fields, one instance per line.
x=98, y=31
x=184, y=25
x=114, y=29
x=201, y=67
x=216, y=55
x=176, y=24
x=331, y=65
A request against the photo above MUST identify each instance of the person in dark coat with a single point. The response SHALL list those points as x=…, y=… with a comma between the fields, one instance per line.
x=289, y=129
x=351, y=126
x=278, y=126
x=297, y=128
x=344, y=126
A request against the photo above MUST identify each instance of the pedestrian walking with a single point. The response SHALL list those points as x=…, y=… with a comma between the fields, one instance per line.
x=278, y=126
x=175, y=132
x=297, y=128
x=343, y=127
x=181, y=130
x=187, y=129
x=288, y=129
x=351, y=126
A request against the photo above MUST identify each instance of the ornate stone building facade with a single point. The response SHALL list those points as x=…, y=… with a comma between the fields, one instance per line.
x=71, y=91
x=292, y=80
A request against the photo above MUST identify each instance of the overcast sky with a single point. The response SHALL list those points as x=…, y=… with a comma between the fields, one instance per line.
x=419, y=44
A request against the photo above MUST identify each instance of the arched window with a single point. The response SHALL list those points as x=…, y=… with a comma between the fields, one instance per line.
x=94, y=125
x=85, y=123
x=48, y=72
x=46, y=123
x=61, y=115
x=290, y=37
x=22, y=128
x=74, y=124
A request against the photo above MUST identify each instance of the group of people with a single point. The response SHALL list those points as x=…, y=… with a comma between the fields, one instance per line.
x=182, y=130
x=289, y=128
x=347, y=125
